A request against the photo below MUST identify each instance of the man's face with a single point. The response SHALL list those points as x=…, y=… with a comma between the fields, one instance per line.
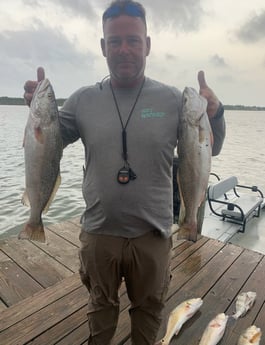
x=125, y=45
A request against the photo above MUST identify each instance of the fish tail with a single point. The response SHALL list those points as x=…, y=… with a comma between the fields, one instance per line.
x=235, y=316
x=33, y=232
x=187, y=232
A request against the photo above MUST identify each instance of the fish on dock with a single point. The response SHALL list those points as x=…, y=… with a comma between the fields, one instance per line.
x=244, y=302
x=251, y=336
x=214, y=331
x=43, y=149
x=178, y=316
x=194, y=150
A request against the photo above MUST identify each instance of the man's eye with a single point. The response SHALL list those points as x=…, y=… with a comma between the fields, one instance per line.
x=133, y=41
x=114, y=42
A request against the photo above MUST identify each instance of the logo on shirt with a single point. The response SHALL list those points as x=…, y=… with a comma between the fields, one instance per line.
x=149, y=113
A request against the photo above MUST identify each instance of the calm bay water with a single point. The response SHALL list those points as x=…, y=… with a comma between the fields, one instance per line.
x=243, y=155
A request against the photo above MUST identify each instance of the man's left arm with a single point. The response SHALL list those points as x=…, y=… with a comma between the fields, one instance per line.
x=215, y=111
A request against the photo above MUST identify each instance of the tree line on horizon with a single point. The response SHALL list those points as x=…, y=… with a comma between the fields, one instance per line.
x=20, y=101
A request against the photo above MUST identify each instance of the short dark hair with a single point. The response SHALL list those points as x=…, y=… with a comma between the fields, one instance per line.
x=128, y=7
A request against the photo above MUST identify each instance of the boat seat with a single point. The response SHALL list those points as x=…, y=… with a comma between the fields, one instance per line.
x=234, y=202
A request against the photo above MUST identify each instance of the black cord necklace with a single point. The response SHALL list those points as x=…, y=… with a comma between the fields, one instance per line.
x=125, y=174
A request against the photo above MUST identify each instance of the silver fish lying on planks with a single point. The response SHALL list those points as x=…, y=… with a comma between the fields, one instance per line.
x=183, y=312
x=195, y=141
x=43, y=149
x=244, y=302
x=251, y=336
x=215, y=330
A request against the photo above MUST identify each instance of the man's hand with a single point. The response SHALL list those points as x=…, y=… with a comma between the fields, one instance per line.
x=30, y=85
x=205, y=91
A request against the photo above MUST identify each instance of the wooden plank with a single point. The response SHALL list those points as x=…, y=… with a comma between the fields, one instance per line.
x=183, y=255
x=74, y=330
x=68, y=230
x=191, y=264
x=62, y=329
x=76, y=337
x=219, y=297
x=255, y=282
x=207, y=271
x=50, y=300
x=3, y=306
x=40, y=300
x=47, y=317
x=196, y=276
x=15, y=284
x=179, y=247
x=61, y=250
x=35, y=262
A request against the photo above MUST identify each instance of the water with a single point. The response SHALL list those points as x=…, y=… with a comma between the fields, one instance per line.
x=243, y=155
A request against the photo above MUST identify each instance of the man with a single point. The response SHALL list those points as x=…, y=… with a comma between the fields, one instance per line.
x=128, y=125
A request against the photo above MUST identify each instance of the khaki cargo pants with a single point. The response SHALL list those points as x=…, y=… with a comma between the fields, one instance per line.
x=144, y=262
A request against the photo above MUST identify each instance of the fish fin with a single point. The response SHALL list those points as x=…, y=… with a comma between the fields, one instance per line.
x=211, y=138
x=256, y=337
x=55, y=188
x=33, y=232
x=25, y=199
x=182, y=213
x=182, y=210
x=39, y=135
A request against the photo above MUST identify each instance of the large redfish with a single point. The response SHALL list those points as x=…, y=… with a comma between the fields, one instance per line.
x=194, y=151
x=42, y=152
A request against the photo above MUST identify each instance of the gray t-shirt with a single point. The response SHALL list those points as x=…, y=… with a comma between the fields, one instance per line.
x=144, y=204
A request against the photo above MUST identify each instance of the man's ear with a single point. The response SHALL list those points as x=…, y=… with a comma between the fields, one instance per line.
x=148, y=45
x=103, y=46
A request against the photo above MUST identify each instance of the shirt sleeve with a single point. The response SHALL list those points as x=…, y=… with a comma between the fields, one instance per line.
x=219, y=130
x=67, y=116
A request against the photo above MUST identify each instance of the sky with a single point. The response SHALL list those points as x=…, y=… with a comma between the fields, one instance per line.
x=224, y=38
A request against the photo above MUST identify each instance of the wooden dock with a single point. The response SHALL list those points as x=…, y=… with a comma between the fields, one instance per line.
x=42, y=300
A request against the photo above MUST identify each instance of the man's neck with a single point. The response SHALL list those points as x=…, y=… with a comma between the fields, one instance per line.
x=126, y=84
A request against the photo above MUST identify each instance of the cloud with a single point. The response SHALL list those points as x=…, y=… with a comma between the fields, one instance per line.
x=180, y=15
x=23, y=51
x=184, y=15
x=171, y=57
x=253, y=30
x=218, y=61
x=82, y=8
x=39, y=42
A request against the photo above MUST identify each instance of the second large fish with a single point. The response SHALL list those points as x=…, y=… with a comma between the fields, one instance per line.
x=43, y=151
x=194, y=151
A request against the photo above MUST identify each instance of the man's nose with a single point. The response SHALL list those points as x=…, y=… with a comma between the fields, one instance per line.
x=124, y=47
